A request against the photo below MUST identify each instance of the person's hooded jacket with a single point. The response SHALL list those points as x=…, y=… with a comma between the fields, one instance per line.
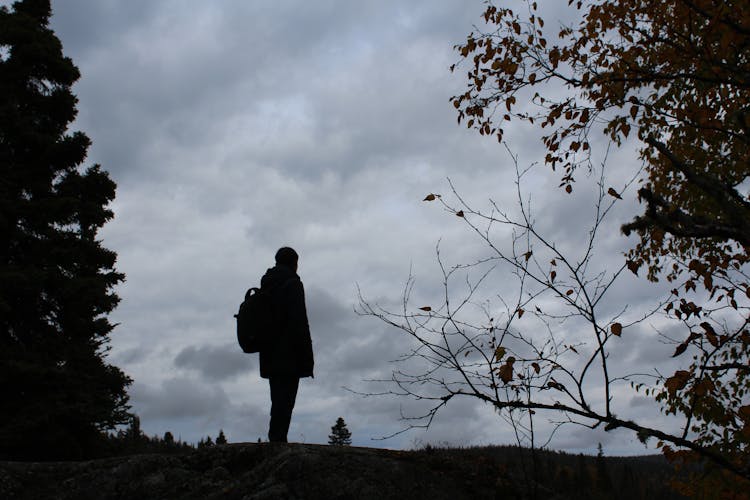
x=289, y=352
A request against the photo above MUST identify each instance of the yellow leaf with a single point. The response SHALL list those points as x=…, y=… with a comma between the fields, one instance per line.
x=500, y=352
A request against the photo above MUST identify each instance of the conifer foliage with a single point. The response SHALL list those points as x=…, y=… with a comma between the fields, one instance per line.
x=340, y=435
x=56, y=279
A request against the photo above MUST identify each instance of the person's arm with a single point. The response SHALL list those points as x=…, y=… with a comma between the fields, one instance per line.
x=300, y=327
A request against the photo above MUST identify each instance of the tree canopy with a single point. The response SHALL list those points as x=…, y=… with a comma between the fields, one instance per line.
x=675, y=76
x=672, y=78
x=56, y=278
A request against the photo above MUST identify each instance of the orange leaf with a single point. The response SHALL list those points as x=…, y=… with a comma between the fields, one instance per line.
x=506, y=373
x=680, y=349
x=677, y=381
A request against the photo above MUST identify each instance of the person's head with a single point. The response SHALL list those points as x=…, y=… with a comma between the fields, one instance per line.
x=287, y=257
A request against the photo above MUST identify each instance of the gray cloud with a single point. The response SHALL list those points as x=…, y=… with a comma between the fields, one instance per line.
x=235, y=128
x=178, y=398
x=214, y=363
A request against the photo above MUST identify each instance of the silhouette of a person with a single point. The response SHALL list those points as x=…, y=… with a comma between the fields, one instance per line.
x=289, y=355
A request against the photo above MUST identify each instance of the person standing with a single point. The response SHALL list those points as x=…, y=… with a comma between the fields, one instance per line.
x=289, y=355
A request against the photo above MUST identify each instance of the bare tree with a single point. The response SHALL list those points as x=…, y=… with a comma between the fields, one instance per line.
x=546, y=347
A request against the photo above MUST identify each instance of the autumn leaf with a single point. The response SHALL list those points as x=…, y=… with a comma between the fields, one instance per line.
x=500, y=352
x=460, y=213
x=711, y=336
x=431, y=197
x=506, y=372
x=536, y=367
x=703, y=387
x=680, y=349
x=632, y=266
x=616, y=329
x=677, y=381
x=520, y=312
x=744, y=413
x=554, y=384
x=527, y=255
x=613, y=193
x=425, y=308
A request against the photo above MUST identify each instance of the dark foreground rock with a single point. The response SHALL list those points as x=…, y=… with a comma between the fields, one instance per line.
x=258, y=471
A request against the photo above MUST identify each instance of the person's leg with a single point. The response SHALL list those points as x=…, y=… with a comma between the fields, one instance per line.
x=283, y=396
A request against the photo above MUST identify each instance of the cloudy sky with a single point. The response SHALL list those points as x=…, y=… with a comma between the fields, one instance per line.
x=235, y=127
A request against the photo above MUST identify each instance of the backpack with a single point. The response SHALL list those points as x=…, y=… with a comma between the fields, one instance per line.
x=255, y=320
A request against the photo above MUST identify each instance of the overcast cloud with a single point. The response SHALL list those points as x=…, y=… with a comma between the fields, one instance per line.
x=235, y=127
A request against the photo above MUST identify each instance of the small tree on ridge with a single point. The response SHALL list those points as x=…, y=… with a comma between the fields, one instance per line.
x=340, y=435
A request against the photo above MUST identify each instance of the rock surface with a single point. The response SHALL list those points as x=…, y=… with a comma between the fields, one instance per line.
x=256, y=472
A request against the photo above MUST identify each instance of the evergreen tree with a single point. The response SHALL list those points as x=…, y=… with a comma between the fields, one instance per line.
x=205, y=443
x=603, y=481
x=56, y=279
x=221, y=438
x=340, y=435
x=134, y=432
x=168, y=439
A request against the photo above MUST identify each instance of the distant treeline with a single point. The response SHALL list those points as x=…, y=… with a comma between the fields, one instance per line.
x=525, y=473
x=132, y=441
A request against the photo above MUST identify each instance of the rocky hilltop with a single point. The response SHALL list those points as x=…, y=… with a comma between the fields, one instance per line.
x=256, y=471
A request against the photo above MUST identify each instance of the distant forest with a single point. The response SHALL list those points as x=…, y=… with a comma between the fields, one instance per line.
x=525, y=473
x=518, y=472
